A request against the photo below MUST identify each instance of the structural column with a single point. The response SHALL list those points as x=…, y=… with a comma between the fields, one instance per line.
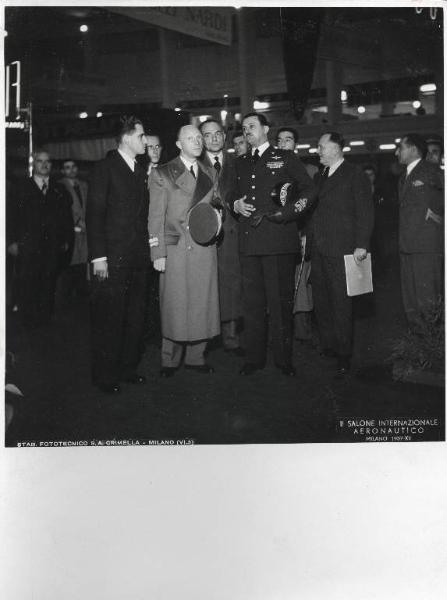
x=166, y=50
x=246, y=53
x=334, y=83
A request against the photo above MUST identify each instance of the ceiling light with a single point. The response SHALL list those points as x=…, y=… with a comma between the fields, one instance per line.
x=83, y=115
x=99, y=114
x=303, y=146
x=177, y=109
x=344, y=96
x=387, y=146
x=257, y=105
x=346, y=149
x=428, y=88
x=83, y=28
x=361, y=109
x=416, y=104
x=357, y=143
x=312, y=150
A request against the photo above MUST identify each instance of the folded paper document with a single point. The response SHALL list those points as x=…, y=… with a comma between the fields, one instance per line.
x=358, y=276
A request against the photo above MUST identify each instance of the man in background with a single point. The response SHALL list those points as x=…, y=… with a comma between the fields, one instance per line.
x=43, y=239
x=435, y=151
x=240, y=144
x=73, y=279
x=220, y=167
x=154, y=150
x=421, y=225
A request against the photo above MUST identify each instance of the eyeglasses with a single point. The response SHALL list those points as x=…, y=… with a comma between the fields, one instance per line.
x=157, y=147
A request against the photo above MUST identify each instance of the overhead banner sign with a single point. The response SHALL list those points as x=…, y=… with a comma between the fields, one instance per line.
x=205, y=22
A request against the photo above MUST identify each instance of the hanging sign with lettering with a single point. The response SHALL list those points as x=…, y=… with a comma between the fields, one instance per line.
x=208, y=23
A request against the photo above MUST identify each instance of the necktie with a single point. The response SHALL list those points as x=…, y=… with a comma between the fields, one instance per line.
x=77, y=190
x=217, y=164
x=44, y=188
x=256, y=155
x=325, y=173
x=192, y=171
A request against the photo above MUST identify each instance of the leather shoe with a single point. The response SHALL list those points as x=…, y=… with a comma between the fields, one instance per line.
x=167, y=371
x=109, y=388
x=288, y=370
x=250, y=368
x=135, y=378
x=206, y=369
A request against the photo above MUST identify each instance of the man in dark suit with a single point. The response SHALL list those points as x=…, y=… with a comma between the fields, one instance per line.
x=117, y=211
x=43, y=232
x=268, y=248
x=73, y=280
x=220, y=167
x=421, y=224
x=341, y=224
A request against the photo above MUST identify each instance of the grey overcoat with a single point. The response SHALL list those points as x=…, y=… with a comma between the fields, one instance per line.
x=189, y=301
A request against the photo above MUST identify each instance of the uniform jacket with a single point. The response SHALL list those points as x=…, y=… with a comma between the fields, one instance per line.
x=422, y=190
x=42, y=221
x=344, y=216
x=256, y=181
x=189, y=301
x=80, y=253
x=117, y=209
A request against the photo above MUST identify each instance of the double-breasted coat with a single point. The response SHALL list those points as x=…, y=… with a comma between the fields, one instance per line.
x=189, y=300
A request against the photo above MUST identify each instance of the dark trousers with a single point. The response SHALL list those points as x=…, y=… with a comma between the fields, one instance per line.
x=37, y=274
x=268, y=282
x=117, y=323
x=421, y=283
x=332, y=305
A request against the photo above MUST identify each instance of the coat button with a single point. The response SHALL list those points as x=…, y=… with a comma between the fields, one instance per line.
x=253, y=187
x=253, y=197
x=253, y=176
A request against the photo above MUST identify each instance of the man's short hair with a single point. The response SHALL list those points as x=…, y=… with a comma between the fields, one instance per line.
x=436, y=141
x=66, y=160
x=291, y=130
x=414, y=139
x=37, y=151
x=337, y=138
x=237, y=133
x=261, y=118
x=210, y=121
x=127, y=125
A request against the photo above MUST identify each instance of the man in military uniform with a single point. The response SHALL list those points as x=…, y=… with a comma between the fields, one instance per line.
x=268, y=247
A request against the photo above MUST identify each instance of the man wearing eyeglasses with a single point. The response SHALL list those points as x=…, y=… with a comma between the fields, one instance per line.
x=220, y=167
x=153, y=149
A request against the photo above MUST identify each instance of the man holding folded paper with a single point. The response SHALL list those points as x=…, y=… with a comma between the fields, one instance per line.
x=341, y=225
x=421, y=210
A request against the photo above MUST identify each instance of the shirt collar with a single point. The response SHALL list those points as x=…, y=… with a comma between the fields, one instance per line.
x=261, y=149
x=411, y=166
x=129, y=160
x=188, y=163
x=40, y=180
x=334, y=167
x=212, y=155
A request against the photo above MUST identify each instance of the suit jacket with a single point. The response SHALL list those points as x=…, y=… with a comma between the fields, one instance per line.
x=344, y=216
x=80, y=252
x=189, y=300
x=422, y=190
x=117, y=210
x=42, y=221
x=256, y=181
x=230, y=284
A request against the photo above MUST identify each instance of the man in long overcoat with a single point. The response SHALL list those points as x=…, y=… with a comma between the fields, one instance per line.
x=189, y=302
x=221, y=169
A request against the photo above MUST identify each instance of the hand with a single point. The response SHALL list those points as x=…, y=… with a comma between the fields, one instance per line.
x=160, y=264
x=242, y=208
x=359, y=255
x=13, y=249
x=100, y=269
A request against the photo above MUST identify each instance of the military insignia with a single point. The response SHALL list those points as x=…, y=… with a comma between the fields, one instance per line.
x=276, y=157
x=300, y=205
x=418, y=183
x=275, y=165
x=283, y=193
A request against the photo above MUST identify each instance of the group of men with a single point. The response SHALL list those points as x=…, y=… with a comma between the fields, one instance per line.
x=246, y=275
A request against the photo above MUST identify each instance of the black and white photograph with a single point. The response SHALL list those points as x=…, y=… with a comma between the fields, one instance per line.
x=224, y=237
